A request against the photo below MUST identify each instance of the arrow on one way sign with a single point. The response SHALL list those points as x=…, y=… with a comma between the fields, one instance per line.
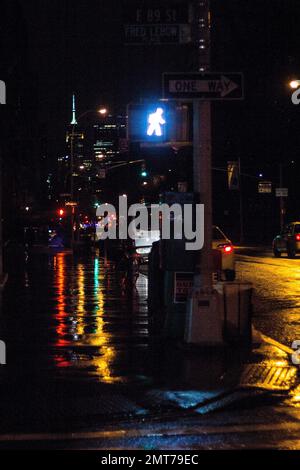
x=203, y=86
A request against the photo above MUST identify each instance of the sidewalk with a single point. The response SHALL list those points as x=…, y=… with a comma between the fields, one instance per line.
x=204, y=383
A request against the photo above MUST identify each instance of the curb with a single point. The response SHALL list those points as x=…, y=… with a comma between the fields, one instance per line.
x=275, y=343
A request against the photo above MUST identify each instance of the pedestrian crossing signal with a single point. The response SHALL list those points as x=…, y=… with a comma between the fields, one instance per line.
x=149, y=122
x=156, y=122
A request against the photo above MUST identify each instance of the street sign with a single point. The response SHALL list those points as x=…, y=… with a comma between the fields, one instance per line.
x=265, y=187
x=282, y=192
x=183, y=286
x=2, y=92
x=153, y=22
x=71, y=203
x=155, y=11
x=233, y=174
x=157, y=34
x=203, y=86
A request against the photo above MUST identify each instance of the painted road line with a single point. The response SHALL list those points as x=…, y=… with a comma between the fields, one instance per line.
x=175, y=432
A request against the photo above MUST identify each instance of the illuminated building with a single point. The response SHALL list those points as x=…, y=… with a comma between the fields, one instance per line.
x=75, y=134
x=109, y=137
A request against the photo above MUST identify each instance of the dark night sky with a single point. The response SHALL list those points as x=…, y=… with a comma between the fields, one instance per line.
x=77, y=45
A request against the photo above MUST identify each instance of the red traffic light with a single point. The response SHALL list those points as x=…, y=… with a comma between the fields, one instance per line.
x=61, y=212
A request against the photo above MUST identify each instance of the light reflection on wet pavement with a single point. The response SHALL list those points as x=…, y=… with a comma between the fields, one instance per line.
x=277, y=294
x=70, y=318
x=78, y=350
x=79, y=353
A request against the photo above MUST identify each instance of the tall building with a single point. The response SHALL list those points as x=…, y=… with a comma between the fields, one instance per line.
x=74, y=145
x=75, y=136
x=109, y=137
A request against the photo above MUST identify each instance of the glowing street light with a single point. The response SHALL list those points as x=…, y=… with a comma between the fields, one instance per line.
x=103, y=111
x=294, y=84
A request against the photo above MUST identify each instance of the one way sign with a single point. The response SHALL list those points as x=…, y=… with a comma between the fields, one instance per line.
x=203, y=86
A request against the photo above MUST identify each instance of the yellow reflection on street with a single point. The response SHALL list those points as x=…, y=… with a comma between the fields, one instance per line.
x=84, y=291
x=60, y=267
x=102, y=338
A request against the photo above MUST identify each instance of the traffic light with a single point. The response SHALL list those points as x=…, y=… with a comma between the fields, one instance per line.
x=144, y=172
x=61, y=212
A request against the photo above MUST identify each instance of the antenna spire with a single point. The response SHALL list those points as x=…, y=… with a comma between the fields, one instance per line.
x=74, y=121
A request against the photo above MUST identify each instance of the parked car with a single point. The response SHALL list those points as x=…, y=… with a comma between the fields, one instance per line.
x=224, y=245
x=288, y=241
x=144, y=240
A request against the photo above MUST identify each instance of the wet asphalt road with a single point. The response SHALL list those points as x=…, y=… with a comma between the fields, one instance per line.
x=277, y=294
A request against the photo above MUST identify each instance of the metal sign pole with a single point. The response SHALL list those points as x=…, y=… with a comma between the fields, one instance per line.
x=1, y=237
x=281, y=201
x=3, y=277
x=241, y=205
x=203, y=323
x=202, y=153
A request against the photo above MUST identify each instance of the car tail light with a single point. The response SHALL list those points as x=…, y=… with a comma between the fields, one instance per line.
x=226, y=248
x=297, y=237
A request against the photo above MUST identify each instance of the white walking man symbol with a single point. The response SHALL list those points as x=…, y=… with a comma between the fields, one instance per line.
x=155, y=121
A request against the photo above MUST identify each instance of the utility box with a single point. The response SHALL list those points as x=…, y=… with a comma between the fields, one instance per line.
x=203, y=324
x=171, y=274
x=237, y=308
x=223, y=316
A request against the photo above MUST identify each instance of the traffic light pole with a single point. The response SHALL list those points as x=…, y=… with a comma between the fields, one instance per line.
x=204, y=324
x=202, y=152
x=1, y=236
x=3, y=276
x=202, y=187
x=241, y=204
x=281, y=200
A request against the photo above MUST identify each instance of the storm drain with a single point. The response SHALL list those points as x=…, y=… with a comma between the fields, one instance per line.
x=268, y=377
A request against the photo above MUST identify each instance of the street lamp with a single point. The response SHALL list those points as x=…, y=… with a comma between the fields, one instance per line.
x=294, y=84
